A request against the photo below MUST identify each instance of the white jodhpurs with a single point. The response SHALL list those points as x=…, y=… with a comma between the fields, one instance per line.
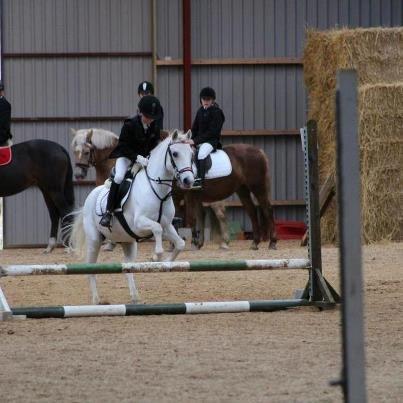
x=204, y=150
x=121, y=166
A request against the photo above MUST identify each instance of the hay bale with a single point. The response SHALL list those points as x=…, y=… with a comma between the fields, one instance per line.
x=377, y=55
x=381, y=151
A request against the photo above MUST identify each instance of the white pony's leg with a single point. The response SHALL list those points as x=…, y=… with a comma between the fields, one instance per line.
x=144, y=223
x=130, y=252
x=51, y=245
x=179, y=244
x=93, y=246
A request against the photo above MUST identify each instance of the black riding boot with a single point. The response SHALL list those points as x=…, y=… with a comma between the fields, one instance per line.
x=110, y=205
x=201, y=173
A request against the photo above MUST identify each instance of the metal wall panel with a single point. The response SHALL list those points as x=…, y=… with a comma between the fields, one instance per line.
x=75, y=87
x=252, y=97
x=76, y=25
x=169, y=29
x=70, y=87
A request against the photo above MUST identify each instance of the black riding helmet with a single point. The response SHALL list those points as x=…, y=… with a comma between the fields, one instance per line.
x=207, y=92
x=150, y=107
x=145, y=87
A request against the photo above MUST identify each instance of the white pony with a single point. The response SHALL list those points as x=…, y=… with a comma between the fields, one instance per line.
x=149, y=209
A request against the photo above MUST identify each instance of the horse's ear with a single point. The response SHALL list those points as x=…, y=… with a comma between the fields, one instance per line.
x=175, y=135
x=73, y=131
x=88, y=137
x=189, y=134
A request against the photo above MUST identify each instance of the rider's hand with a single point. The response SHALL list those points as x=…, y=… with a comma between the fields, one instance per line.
x=142, y=160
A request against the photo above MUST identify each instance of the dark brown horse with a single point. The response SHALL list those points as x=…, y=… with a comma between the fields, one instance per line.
x=47, y=165
x=249, y=176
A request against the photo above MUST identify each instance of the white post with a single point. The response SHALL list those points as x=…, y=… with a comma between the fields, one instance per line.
x=5, y=311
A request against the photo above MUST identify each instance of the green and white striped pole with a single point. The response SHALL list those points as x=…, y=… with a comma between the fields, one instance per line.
x=154, y=267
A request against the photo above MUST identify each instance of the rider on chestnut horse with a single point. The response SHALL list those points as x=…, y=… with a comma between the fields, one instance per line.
x=206, y=131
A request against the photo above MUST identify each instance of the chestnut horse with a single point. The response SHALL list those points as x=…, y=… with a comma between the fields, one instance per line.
x=249, y=176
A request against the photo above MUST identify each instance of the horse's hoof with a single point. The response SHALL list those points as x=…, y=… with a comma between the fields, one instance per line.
x=47, y=250
x=224, y=246
x=109, y=247
x=157, y=257
x=253, y=246
x=194, y=247
x=273, y=246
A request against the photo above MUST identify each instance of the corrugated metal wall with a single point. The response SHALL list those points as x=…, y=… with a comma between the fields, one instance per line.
x=68, y=85
x=252, y=96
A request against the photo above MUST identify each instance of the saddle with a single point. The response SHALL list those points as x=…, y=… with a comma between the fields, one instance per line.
x=123, y=194
x=6, y=155
x=218, y=165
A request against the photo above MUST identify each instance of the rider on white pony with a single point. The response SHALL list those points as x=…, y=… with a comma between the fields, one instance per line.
x=139, y=135
x=206, y=131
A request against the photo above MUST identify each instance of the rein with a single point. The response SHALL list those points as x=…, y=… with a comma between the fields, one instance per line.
x=166, y=182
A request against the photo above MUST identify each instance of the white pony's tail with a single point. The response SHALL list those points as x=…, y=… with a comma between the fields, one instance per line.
x=78, y=242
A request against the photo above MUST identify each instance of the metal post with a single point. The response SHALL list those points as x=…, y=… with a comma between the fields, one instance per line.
x=313, y=211
x=348, y=164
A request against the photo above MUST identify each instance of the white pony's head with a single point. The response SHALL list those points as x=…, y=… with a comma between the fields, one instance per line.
x=180, y=156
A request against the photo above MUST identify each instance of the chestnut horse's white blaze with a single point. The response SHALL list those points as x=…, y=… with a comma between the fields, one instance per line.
x=172, y=158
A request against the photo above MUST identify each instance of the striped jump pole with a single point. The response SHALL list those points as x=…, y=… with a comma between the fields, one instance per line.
x=154, y=267
x=158, y=309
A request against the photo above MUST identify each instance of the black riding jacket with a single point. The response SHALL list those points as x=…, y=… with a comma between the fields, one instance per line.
x=5, y=119
x=207, y=126
x=134, y=140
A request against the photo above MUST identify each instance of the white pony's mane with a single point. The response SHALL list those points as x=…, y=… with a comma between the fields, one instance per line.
x=164, y=144
x=100, y=138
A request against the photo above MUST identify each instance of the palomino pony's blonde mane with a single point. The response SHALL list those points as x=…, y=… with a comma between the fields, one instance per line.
x=100, y=138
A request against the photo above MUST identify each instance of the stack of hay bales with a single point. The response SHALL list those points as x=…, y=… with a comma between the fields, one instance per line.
x=377, y=55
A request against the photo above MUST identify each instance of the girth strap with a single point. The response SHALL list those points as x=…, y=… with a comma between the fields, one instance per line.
x=122, y=220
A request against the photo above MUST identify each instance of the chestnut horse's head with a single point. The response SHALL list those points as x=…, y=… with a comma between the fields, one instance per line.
x=91, y=147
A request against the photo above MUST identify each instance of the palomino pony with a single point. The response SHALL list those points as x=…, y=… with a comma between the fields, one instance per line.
x=149, y=209
x=91, y=148
x=30, y=166
x=249, y=176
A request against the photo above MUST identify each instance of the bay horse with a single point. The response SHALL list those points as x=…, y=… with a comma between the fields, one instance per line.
x=47, y=165
x=148, y=211
x=91, y=148
x=249, y=176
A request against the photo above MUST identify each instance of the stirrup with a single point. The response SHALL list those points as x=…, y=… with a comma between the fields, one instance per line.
x=106, y=220
x=197, y=184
